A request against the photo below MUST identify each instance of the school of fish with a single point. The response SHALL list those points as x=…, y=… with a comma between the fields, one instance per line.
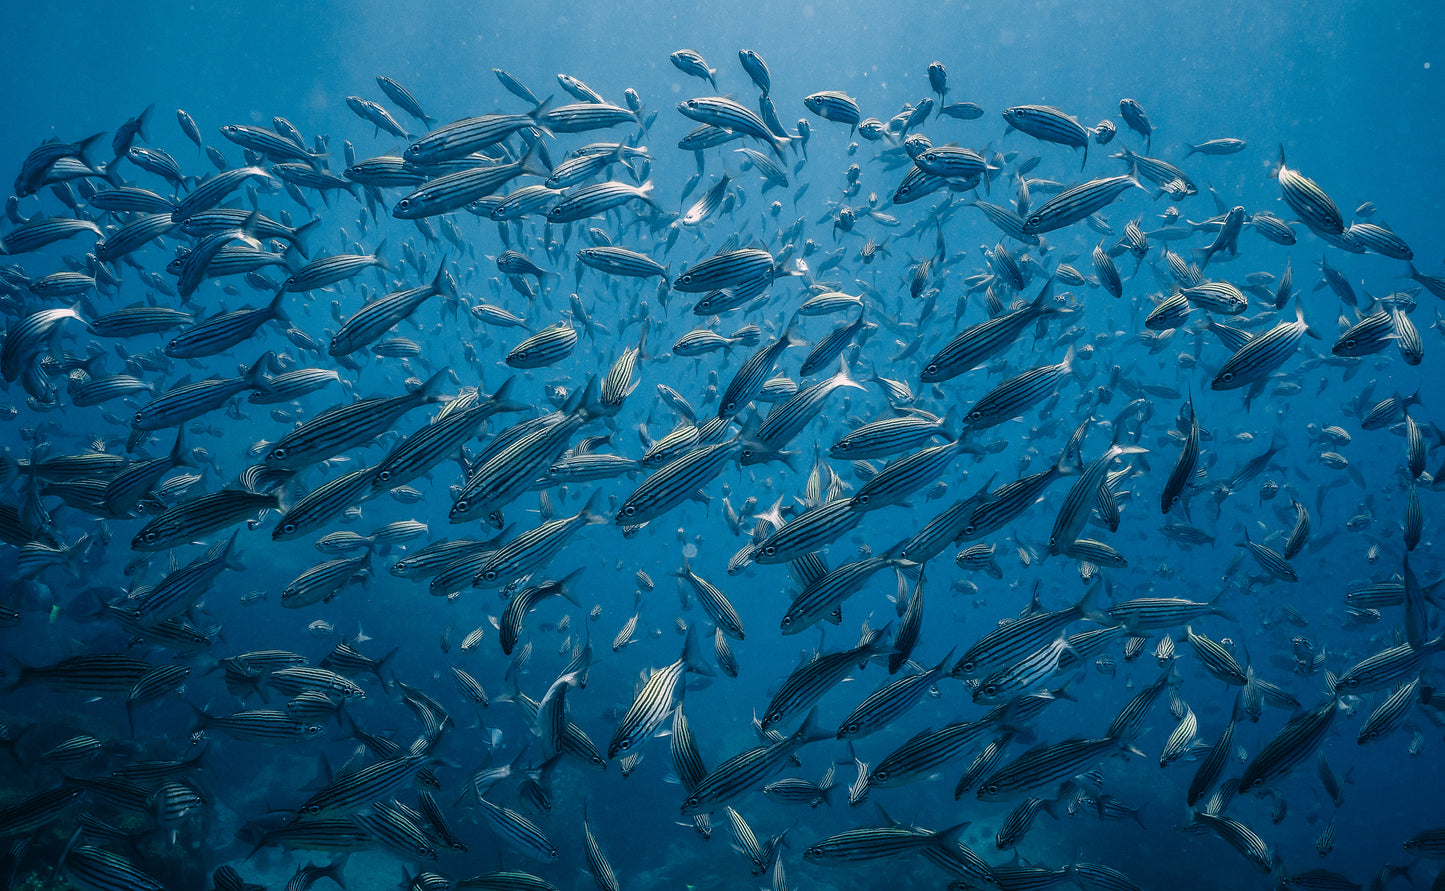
x=1060, y=472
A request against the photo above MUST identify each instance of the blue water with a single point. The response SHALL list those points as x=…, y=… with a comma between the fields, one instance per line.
x=1348, y=90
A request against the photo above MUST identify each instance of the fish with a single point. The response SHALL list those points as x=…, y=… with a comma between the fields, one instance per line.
x=225, y=372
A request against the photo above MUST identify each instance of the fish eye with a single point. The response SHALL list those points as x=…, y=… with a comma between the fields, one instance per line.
x=775, y=717
x=851, y=728
x=383, y=475
x=629, y=510
x=990, y=690
x=289, y=528
x=460, y=505
x=491, y=575
x=691, y=802
x=685, y=279
x=416, y=148
x=787, y=621
x=278, y=453
x=967, y=666
x=880, y=774
x=930, y=370
x=862, y=498
x=992, y=790
x=150, y=536
x=405, y=202
x=769, y=550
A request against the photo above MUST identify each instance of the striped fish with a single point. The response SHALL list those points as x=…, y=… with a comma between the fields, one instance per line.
x=890, y=700
x=925, y=751
x=880, y=842
x=1370, y=334
x=1241, y=838
x=597, y=864
x=188, y=401
x=359, y=788
x=420, y=452
x=595, y=200
x=1388, y=715
x=808, y=533
x=821, y=598
x=347, y=426
x=1079, y=503
x=1023, y=676
x=1078, y=203
x=1211, y=766
x=324, y=581
x=1407, y=338
x=527, y=200
x=27, y=814
x=979, y=343
x=293, y=385
x=329, y=270
x=1043, y=766
x=951, y=162
x=1270, y=560
x=454, y=190
x=1309, y=202
x=676, y=482
x=619, y=383
x=621, y=261
x=1050, y=125
x=726, y=270
x=325, y=503
x=1169, y=178
x=1261, y=355
x=26, y=338
x=1388, y=667
x=659, y=697
x=1181, y=739
x=519, y=832
x=374, y=319
x=547, y=347
x=461, y=138
x=1294, y=743
x=589, y=114
x=199, y=516
x=535, y=548
x=786, y=421
x=713, y=601
x=1018, y=394
x=808, y=683
x=1143, y=614
x=1009, y=643
x=102, y=870
x=35, y=234
x=904, y=476
x=726, y=114
x=745, y=771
